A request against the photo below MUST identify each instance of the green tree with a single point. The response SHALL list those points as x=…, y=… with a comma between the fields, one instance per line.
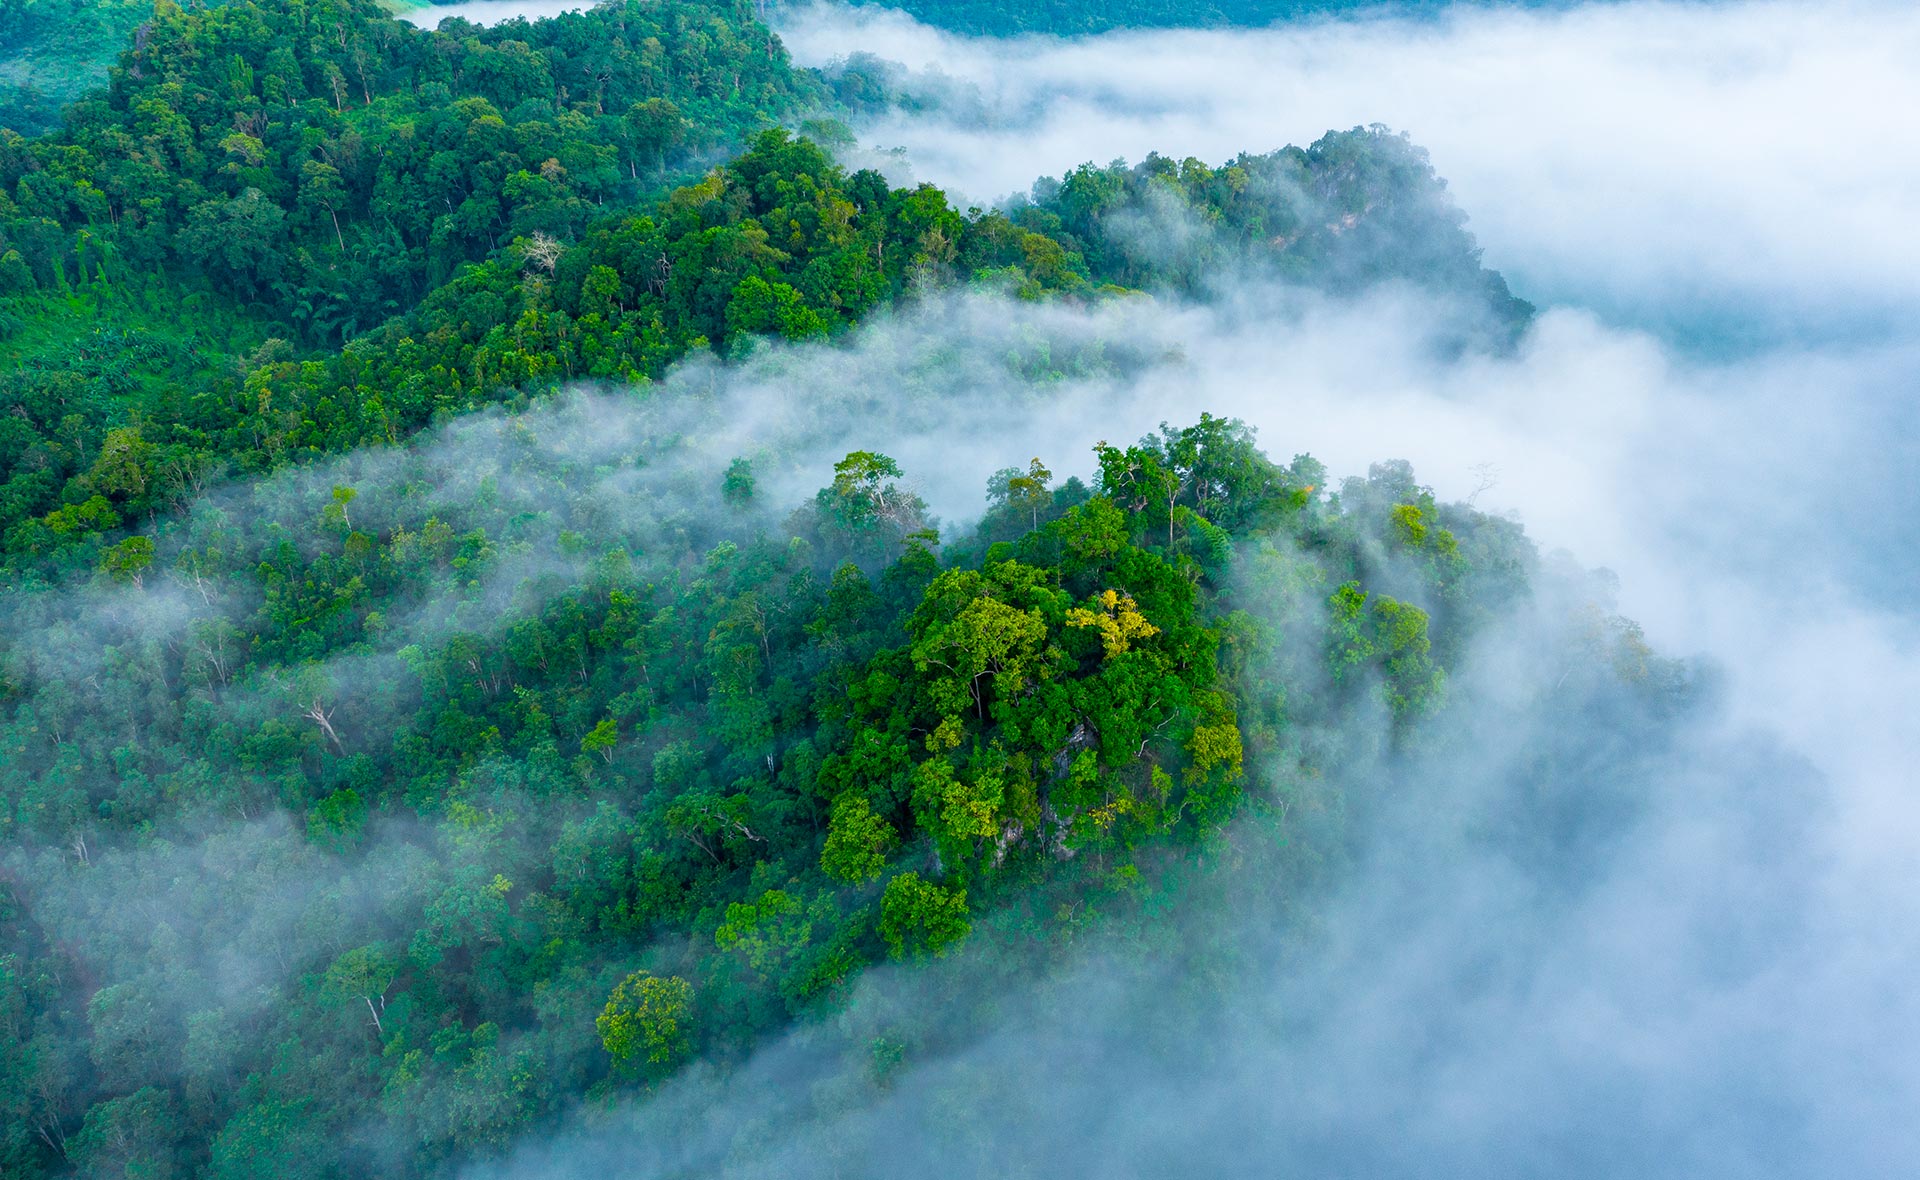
x=759, y=307
x=738, y=485
x=602, y=740
x=919, y=918
x=362, y=976
x=339, y=507
x=239, y=241
x=1031, y=490
x=272, y=1140
x=858, y=841
x=129, y=560
x=648, y=1019
x=655, y=129
x=123, y=468
x=769, y=931
x=136, y=1137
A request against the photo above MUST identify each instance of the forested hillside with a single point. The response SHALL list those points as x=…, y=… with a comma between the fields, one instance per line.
x=112, y=424
x=1352, y=210
x=441, y=687
x=290, y=175
x=325, y=164
x=363, y=820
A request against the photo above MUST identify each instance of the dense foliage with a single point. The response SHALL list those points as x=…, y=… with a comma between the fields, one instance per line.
x=328, y=164
x=582, y=790
x=397, y=748
x=1352, y=210
x=287, y=175
x=781, y=242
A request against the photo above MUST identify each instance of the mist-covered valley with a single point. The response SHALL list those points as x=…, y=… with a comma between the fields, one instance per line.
x=770, y=670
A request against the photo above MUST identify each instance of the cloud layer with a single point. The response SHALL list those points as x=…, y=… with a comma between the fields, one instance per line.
x=1661, y=161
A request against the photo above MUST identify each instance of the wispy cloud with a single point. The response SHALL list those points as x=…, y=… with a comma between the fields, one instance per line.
x=1662, y=161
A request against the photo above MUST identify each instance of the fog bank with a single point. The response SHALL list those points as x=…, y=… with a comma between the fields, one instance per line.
x=1677, y=165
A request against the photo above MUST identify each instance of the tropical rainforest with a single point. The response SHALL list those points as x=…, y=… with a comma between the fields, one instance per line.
x=427, y=712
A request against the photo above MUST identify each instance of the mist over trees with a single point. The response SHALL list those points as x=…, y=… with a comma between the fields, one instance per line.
x=576, y=790
x=781, y=242
x=476, y=660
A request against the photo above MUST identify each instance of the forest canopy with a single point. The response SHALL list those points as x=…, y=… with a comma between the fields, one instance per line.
x=782, y=242
x=413, y=725
x=535, y=799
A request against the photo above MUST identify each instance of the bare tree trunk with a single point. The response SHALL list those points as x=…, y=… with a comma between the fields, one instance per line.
x=324, y=718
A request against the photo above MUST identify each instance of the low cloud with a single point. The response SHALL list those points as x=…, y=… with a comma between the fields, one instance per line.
x=1677, y=165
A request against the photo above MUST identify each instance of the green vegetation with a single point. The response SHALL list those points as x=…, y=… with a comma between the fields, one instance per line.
x=781, y=242
x=1352, y=210
x=379, y=778
x=661, y=804
x=289, y=175
x=580, y=794
x=326, y=165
